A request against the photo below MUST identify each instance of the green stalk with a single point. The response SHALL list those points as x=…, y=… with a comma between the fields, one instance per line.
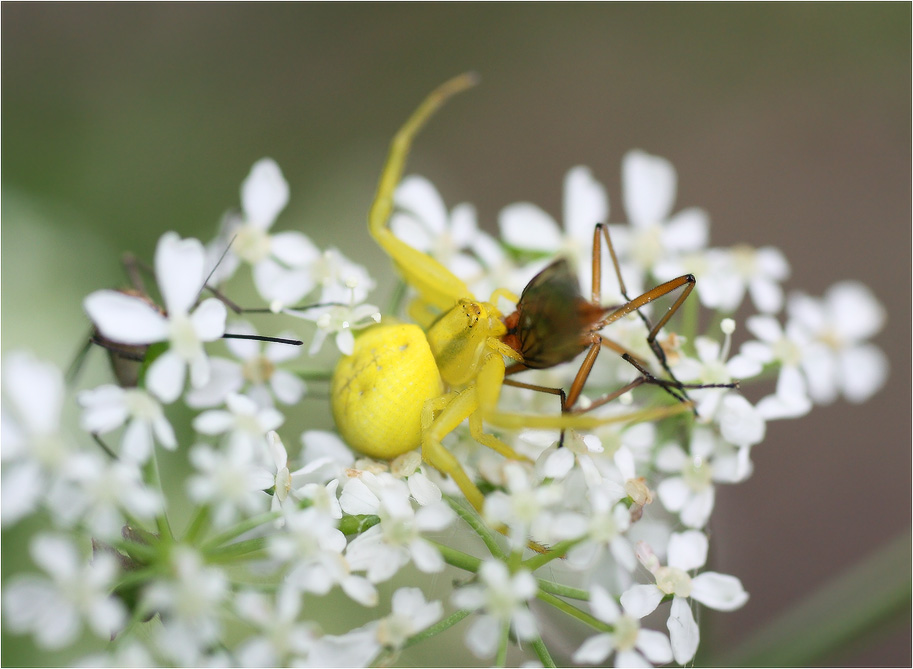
x=437, y=628
x=252, y=548
x=542, y=652
x=198, y=526
x=501, y=659
x=556, y=552
x=563, y=590
x=458, y=559
x=478, y=526
x=239, y=529
x=853, y=607
x=573, y=611
x=151, y=474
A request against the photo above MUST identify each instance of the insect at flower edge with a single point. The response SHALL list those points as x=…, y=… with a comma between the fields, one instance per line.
x=403, y=386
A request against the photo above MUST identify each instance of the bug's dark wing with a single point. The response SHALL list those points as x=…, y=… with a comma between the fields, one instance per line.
x=554, y=318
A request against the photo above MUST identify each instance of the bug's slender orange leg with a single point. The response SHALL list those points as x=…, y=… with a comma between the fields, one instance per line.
x=653, y=329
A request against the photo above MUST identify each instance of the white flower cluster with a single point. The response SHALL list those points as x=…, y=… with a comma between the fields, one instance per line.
x=623, y=503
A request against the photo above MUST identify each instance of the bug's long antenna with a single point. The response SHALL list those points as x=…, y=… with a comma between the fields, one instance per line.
x=231, y=305
x=276, y=340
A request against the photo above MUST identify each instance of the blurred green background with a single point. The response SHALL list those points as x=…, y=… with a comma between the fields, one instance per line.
x=789, y=123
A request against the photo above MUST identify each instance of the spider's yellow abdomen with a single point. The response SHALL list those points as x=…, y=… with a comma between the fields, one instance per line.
x=379, y=391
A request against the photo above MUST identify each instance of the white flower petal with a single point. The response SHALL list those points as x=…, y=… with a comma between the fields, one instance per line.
x=125, y=319
x=740, y=422
x=209, y=319
x=409, y=229
x=55, y=554
x=165, y=377
x=136, y=444
x=649, y=184
x=790, y=400
x=688, y=230
x=164, y=433
x=105, y=408
x=179, y=267
x=463, y=227
x=821, y=373
x=672, y=458
x=585, y=203
x=856, y=312
x=697, y=510
x=743, y=367
x=213, y=422
x=765, y=328
x=655, y=646
x=631, y=658
x=357, y=498
x=683, y=631
x=524, y=625
x=767, y=295
x=641, y=600
x=22, y=487
x=276, y=283
x=360, y=589
x=225, y=377
x=558, y=463
x=287, y=387
x=673, y=493
x=603, y=605
x=199, y=371
x=595, y=649
x=482, y=637
x=36, y=389
x=419, y=196
x=864, y=370
x=718, y=591
x=295, y=249
x=772, y=263
x=276, y=449
x=426, y=557
x=423, y=489
x=688, y=550
x=264, y=193
x=526, y=226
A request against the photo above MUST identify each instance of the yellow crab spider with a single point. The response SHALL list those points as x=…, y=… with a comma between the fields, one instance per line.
x=403, y=386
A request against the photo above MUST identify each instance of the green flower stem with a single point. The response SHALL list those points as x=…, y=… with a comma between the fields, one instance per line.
x=349, y=525
x=573, y=611
x=198, y=526
x=138, y=552
x=563, y=590
x=501, y=658
x=151, y=474
x=857, y=605
x=479, y=527
x=458, y=559
x=314, y=374
x=252, y=548
x=138, y=577
x=443, y=625
x=399, y=295
x=239, y=529
x=542, y=652
x=556, y=552
x=133, y=629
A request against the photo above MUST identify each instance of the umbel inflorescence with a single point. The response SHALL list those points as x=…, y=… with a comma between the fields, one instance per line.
x=597, y=512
